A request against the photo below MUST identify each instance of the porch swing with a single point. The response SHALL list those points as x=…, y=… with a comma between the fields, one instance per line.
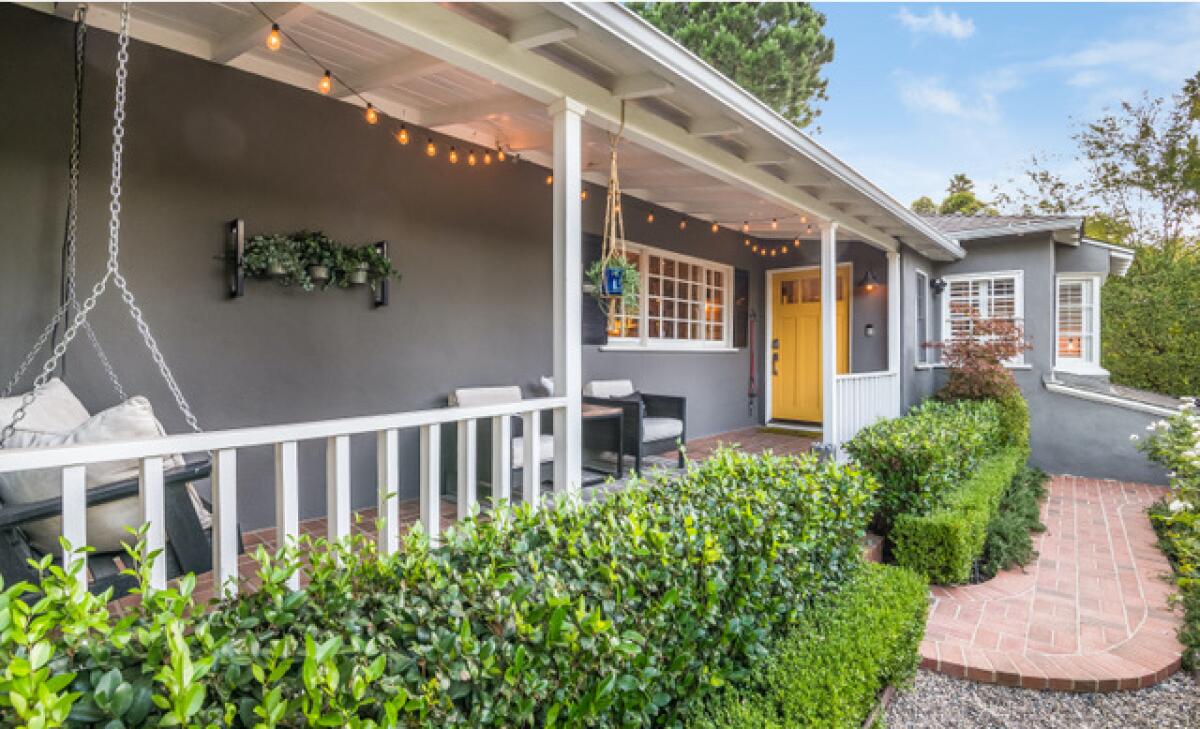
x=49, y=414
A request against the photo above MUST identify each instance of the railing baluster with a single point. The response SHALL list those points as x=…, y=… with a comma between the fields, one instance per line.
x=501, y=458
x=387, y=463
x=152, y=500
x=337, y=487
x=287, y=499
x=431, y=446
x=225, y=524
x=467, y=470
x=531, y=464
x=74, y=517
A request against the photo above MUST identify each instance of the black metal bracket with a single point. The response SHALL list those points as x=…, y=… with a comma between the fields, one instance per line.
x=382, y=288
x=235, y=253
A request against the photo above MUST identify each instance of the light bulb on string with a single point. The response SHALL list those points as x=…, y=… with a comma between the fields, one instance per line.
x=325, y=85
x=471, y=159
x=796, y=242
x=402, y=135
x=682, y=224
x=649, y=217
x=583, y=194
x=487, y=157
x=774, y=223
x=754, y=248
x=453, y=156
x=746, y=242
x=783, y=250
x=762, y=252
x=371, y=115
x=715, y=227
x=275, y=38
x=803, y=219
x=500, y=154
x=549, y=180
x=772, y=252
x=430, y=148
x=745, y=226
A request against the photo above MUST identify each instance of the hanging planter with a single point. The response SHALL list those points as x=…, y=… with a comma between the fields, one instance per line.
x=360, y=274
x=613, y=278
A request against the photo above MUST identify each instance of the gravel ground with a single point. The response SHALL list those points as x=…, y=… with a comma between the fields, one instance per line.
x=940, y=701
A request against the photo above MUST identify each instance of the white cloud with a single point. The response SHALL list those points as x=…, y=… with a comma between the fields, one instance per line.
x=929, y=94
x=936, y=22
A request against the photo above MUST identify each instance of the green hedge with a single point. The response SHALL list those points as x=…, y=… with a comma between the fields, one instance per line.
x=830, y=668
x=625, y=611
x=944, y=543
x=920, y=458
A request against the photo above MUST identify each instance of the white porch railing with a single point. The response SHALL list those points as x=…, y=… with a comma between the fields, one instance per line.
x=224, y=445
x=862, y=399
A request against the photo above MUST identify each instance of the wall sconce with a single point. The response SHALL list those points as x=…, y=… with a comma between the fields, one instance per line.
x=868, y=282
x=938, y=285
x=869, y=330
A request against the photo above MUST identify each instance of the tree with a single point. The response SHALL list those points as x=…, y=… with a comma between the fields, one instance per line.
x=960, y=199
x=773, y=50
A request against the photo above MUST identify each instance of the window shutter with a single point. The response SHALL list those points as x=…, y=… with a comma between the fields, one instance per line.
x=741, y=308
x=594, y=324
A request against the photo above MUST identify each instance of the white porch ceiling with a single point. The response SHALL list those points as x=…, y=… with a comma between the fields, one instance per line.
x=484, y=72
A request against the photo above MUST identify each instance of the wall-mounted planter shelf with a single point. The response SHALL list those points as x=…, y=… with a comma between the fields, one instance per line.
x=235, y=264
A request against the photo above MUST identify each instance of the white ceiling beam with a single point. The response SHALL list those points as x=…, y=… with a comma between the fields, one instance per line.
x=641, y=86
x=393, y=72
x=254, y=32
x=717, y=126
x=438, y=31
x=469, y=111
x=540, y=30
x=767, y=157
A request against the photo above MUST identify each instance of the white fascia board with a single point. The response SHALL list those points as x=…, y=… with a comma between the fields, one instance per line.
x=437, y=31
x=738, y=103
x=997, y=231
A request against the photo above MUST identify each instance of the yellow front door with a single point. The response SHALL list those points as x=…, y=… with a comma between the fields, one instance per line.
x=795, y=347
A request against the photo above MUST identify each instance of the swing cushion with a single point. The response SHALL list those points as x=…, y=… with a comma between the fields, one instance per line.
x=131, y=420
x=54, y=410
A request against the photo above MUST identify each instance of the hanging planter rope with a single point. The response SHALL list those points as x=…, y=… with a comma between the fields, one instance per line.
x=614, y=277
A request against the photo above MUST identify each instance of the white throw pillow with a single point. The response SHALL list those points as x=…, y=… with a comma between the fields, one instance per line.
x=608, y=388
x=54, y=410
x=106, y=527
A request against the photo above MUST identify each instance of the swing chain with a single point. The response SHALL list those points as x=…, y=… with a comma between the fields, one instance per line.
x=112, y=270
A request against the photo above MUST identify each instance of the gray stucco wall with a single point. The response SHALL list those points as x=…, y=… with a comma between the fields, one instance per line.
x=1069, y=435
x=208, y=143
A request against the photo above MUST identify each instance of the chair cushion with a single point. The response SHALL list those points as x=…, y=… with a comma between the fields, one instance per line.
x=54, y=410
x=547, y=384
x=471, y=396
x=661, y=429
x=518, y=449
x=608, y=388
x=131, y=420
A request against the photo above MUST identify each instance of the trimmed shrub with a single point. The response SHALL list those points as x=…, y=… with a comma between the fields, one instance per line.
x=944, y=543
x=828, y=671
x=1013, y=412
x=920, y=458
x=1009, y=535
x=624, y=611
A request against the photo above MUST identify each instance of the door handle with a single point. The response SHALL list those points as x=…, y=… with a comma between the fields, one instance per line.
x=775, y=364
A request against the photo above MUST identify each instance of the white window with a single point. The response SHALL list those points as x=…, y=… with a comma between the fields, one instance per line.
x=924, y=355
x=985, y=295
x=685, y=304
x=1077, y=323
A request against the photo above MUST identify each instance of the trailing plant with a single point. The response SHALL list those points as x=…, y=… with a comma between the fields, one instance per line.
x=829, y=669
x=625, y=611
x=631, y=280
x=282, y=253
x=1009, y=540
x=295, y=253
x=1174, y=443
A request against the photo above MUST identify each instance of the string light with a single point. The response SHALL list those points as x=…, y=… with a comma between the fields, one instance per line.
x=430, y=148
x=487, y=157
x=649, y=217
x=763, y=252
x=746, y=242
x=471, y=160
x=754, y=248
x=402, y=135
x=745, y=226
x=453, y=156
x=784, y=249
x=325, y=85
x=500, y=153
x=803, y=219
x=774, y=223
x=371, y=115
x=274, y=38
x=549, y=180
x=715, y=227
x=682, y=224
x=796, y=242
x=772, y=252
x=583, y=194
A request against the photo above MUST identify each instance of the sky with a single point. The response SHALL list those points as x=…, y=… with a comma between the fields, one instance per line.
x=918, y=92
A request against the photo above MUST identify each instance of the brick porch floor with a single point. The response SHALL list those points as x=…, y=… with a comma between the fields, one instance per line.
x=751, y=440
x=1090, y=614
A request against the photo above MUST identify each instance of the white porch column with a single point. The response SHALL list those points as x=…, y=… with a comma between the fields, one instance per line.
x=568, y=292
x=893, y=310
x=829, y=332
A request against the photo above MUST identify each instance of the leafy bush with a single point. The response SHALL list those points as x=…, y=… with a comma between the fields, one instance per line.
x=1150, y=336
x=830, y=668
x=920, y=458
x=624, y=611
x=1174, y=443
x=1013, y=412
x=1009, y=540
x=944, y=543
x=975, y=361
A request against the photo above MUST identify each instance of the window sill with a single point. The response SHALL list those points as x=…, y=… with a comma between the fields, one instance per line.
x=1081, y=369
x=1017, y=366
x=672, y=350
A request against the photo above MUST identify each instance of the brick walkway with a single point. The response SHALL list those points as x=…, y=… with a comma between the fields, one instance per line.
x=1090, y=614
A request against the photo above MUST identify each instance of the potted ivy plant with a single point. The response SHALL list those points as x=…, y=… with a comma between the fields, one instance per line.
x=379, y=266
x=269, y=256
x=319, y=253
x=358, y=269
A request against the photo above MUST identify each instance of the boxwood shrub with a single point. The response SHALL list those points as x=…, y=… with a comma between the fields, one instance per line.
x=920, y=458
x=829, y=669
x=943, y=544
x=625, y=611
